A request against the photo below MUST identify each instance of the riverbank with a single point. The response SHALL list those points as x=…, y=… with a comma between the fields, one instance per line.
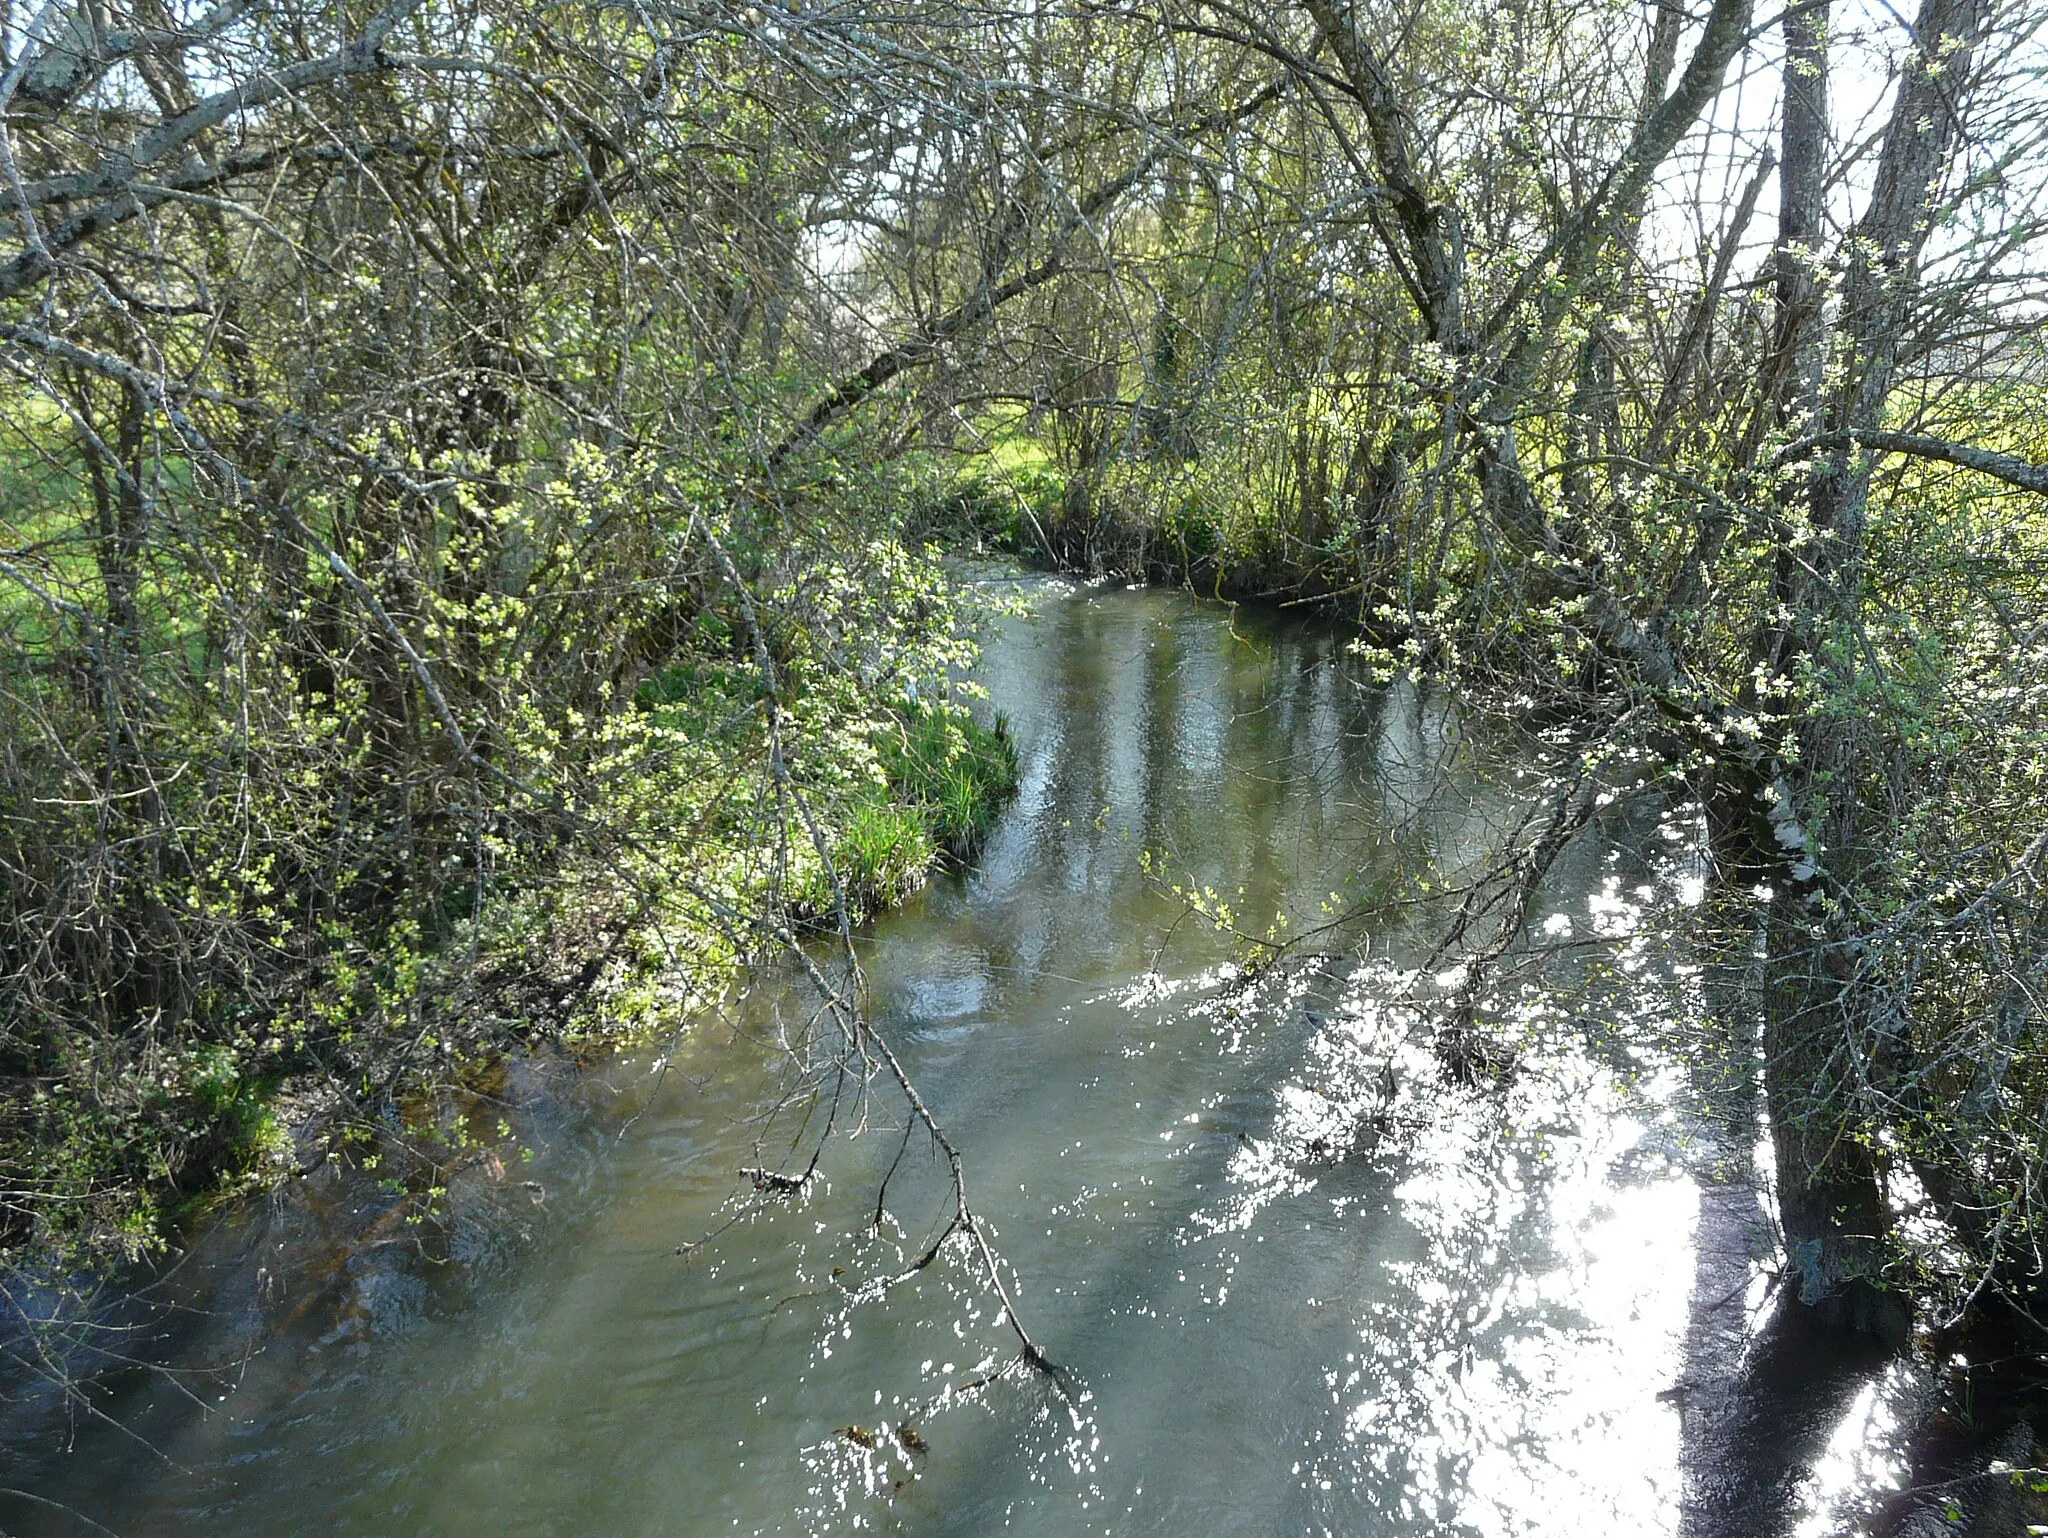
x=1287, y=1289
x=1241, y=744
x=719, y=830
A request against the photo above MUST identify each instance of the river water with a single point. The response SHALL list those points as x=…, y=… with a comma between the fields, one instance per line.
x=1300, y=1283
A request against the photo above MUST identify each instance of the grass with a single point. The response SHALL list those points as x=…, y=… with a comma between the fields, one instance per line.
x=954, y=771
x=885, y=852
x=1011, y=480
x=948, y=777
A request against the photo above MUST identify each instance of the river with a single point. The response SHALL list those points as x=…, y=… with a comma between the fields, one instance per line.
x=1300, y=1283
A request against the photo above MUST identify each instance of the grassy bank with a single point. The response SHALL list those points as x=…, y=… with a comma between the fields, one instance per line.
x=671, y=850
x=1248, y=524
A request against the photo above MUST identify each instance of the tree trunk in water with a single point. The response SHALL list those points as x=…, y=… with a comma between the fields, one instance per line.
x=1832, y=1209
x=1831, y=1196
x=1824, y=1021
x=1831, y=1199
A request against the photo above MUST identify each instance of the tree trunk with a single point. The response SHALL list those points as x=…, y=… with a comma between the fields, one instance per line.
x=1823, y=1021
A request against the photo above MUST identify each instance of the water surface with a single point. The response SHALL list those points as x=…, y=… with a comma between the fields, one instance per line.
x=1302, y=1284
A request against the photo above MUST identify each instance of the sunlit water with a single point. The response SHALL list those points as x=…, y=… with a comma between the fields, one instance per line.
x=1301, y=1284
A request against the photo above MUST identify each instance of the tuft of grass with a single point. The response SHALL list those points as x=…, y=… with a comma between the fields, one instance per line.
x=885, y=852
x=945, y=777
x=984, y=512
x=956, y=772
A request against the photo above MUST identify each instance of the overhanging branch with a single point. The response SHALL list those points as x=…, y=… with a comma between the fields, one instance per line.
x=2009, y=468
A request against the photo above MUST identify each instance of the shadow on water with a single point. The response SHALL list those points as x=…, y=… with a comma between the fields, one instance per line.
x=1306, y=1285
x=1752, y=1440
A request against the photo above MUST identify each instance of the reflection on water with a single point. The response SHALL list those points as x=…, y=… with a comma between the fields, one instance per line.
x=1303, y=1285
